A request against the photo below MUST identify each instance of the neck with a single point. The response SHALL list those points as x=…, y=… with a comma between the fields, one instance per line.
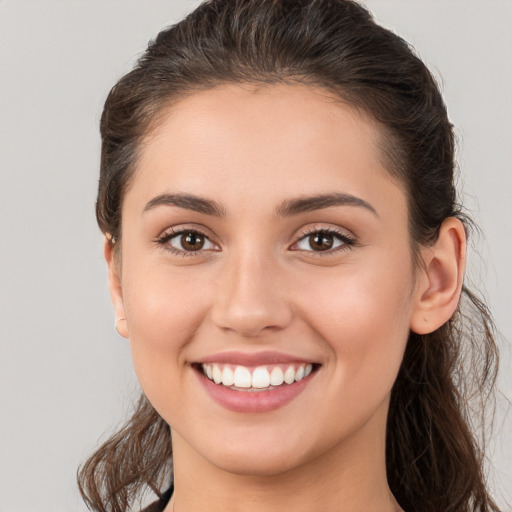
x=349, y=477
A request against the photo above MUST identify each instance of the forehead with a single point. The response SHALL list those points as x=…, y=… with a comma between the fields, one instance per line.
x=273, y=140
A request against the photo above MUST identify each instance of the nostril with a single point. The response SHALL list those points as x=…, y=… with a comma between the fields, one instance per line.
x=251, y=323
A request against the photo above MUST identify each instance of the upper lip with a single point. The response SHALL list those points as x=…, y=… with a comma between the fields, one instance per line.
x=253, y=358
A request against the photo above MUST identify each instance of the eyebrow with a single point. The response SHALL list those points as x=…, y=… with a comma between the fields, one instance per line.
x=288, y=208
x=188, y=202
x=317, y=202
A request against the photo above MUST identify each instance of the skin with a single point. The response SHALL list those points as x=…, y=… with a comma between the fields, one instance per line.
x=258, y=284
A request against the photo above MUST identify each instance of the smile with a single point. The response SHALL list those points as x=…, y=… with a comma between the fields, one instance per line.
x=255, y=382
x=259, y=378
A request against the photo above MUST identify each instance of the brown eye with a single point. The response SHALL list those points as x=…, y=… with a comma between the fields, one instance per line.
x=321, y=241
x=192, y=241
x=324, y=241
x=187, y=242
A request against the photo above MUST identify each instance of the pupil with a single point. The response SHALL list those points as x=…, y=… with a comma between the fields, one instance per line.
x=192, y=242
x=321, y=241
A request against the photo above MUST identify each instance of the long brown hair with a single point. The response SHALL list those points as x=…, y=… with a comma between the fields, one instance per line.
x=435, y=459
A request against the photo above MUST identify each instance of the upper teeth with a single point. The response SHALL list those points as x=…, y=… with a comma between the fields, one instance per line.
x=259, y=377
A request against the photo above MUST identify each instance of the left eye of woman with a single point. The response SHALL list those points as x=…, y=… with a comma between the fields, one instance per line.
x=323, y=241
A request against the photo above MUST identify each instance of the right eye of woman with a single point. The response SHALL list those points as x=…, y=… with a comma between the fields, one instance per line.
x=186, y=242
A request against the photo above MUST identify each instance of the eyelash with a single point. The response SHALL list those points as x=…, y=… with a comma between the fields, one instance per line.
x=173, y=233
x=347, y=241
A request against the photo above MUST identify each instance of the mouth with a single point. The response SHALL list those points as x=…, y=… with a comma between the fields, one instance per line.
x=255, y=378
x=257, y=382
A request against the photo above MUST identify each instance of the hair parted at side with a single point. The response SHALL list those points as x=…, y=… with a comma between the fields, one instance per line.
x=435, y=459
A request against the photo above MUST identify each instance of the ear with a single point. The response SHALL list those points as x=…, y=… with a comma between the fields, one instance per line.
x=440, y=281
x=115, y=287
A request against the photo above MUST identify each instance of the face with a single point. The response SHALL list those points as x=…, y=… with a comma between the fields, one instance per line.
x=266, y=277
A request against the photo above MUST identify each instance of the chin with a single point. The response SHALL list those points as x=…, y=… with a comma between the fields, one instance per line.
x=262, y=465
x=266, y=454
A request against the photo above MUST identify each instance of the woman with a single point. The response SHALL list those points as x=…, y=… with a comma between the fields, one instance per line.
x=286, y=256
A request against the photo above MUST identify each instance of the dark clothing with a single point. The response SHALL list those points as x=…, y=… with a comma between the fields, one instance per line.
x=158, y=506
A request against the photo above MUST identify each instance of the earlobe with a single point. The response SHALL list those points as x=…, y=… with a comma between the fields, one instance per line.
x=115, y=287
x=440, y=284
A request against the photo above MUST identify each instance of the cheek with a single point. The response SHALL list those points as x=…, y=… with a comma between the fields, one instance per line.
x=362, y=314
x=164, y=308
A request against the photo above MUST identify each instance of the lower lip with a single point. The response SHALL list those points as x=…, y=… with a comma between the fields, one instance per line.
x=253, y=401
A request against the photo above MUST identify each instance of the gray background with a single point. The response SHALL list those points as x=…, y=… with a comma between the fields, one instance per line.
x=65, y=376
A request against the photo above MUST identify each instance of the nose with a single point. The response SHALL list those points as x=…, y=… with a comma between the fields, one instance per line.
x=251, y=298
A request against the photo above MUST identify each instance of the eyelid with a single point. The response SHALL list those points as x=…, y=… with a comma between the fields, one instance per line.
x=175, y=231
x=348, y=239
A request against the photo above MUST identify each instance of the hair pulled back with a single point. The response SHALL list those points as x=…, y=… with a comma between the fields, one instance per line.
x=434, y=461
